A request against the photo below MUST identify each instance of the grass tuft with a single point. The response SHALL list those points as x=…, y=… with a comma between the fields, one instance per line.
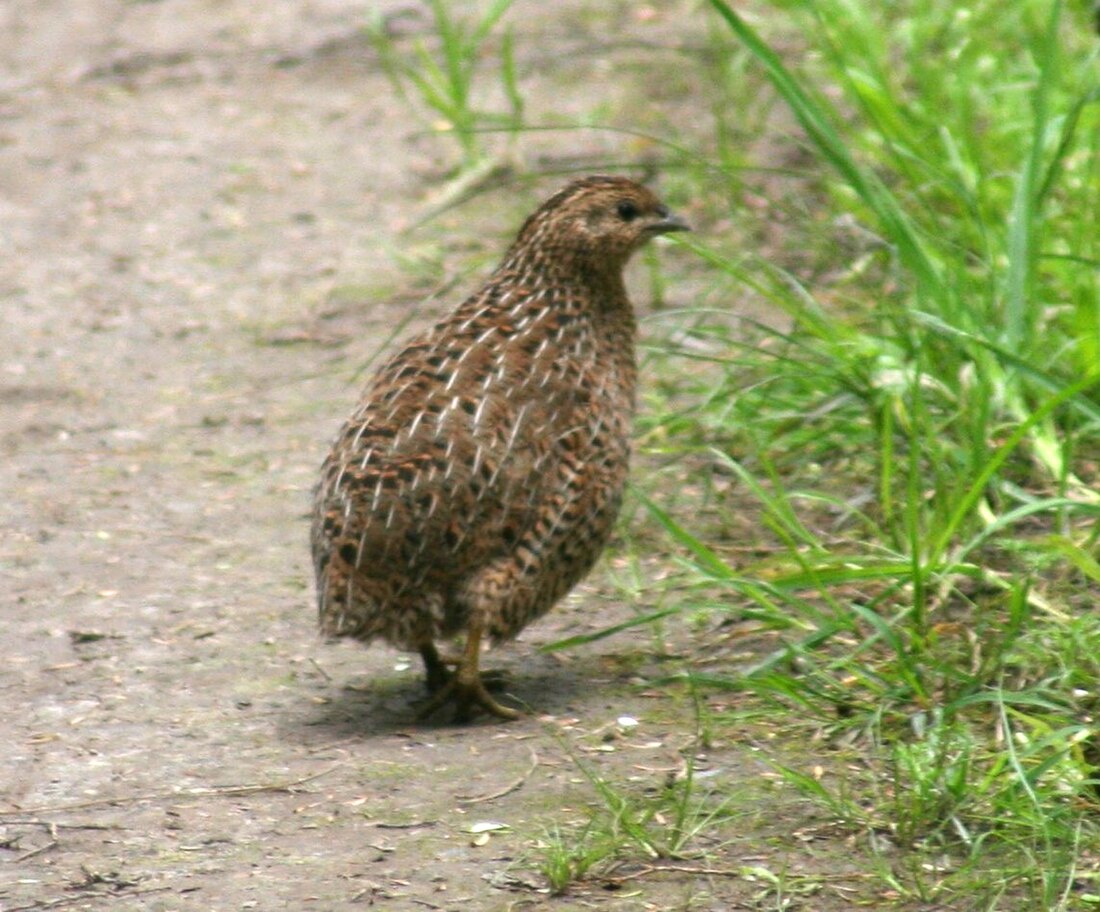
x=915, y=437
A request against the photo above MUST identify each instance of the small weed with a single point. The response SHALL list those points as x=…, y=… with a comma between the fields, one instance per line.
x=443, y=75
x=670, y=822
x=915, y=433
x=568, y=857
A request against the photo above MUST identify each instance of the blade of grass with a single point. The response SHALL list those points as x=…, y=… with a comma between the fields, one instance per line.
x=813, y=115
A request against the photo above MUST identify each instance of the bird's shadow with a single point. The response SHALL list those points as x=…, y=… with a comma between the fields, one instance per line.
x=364, y=706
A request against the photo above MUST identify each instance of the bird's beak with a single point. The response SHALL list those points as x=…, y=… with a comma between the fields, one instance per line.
x=669, y=223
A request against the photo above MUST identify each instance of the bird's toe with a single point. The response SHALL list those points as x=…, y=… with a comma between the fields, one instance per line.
x=478, y=698
x=469, y=697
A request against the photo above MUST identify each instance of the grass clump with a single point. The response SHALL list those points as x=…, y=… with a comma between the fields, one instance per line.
x=441, y=76
x=917, y=441
x=678, y=819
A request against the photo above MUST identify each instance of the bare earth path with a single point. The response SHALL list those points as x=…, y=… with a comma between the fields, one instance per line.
x=191, y=194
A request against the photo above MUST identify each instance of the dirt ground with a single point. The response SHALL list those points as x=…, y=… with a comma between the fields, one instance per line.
x=201, y=214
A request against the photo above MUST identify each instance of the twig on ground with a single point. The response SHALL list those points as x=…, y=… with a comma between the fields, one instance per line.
x=52, y=844
x=82, y=896
x=646, y=870
x=212, y=792
x=508, y=789
x=34, y=821
x=384, y=825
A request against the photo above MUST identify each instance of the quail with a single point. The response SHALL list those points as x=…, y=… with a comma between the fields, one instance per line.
x=480, y=475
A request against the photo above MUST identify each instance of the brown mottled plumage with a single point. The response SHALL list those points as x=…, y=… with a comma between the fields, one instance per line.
x=481, y=474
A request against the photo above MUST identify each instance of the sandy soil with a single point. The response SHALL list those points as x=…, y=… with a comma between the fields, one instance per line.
x=201, y=216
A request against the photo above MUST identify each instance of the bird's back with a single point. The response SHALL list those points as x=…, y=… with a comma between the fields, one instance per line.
x=483, y=469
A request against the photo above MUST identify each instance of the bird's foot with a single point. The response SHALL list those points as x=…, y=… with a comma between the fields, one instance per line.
x=468, y=693
x=437, y=676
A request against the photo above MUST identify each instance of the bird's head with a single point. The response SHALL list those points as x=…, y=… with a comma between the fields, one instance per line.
x=595, y=223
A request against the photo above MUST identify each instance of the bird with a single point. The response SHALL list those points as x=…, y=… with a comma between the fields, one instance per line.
x=482, y=471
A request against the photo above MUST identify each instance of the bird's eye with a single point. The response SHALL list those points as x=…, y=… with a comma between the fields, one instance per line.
x=627, y=211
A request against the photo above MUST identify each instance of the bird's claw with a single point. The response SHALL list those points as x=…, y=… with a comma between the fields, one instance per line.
x=467, y=694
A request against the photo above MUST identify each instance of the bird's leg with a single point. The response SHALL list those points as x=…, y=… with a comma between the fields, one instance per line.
x=436, y=668
x=437, y=674
x=465, y=687
x=469, y=686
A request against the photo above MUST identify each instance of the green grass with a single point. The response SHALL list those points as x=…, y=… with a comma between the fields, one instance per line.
x=892, y=477
x=674, y=820
x=918, y=438
x=441, y=77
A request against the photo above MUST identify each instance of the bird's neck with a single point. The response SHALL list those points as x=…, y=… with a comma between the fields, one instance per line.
x=600, y=282
x=605, y=285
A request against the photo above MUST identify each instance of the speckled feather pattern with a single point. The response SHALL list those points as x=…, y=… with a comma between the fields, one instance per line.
x=483, y=470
